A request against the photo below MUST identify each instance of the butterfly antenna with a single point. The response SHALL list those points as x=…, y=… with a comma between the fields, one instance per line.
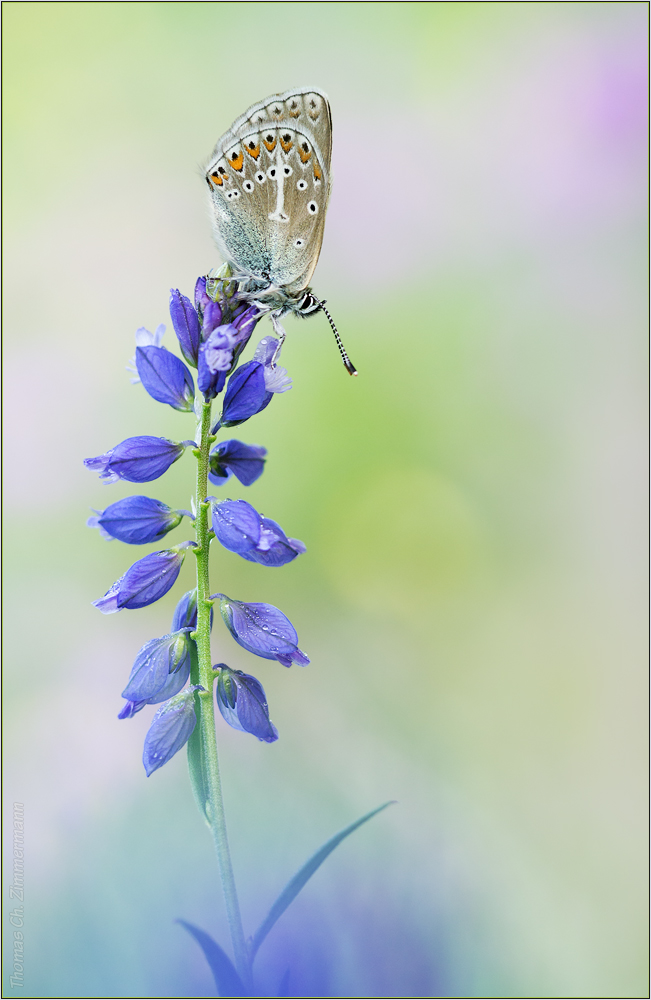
x=350, y=367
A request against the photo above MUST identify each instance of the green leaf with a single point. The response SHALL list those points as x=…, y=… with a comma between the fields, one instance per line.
x=294, y=886
x=228, y=982
x=196, y=769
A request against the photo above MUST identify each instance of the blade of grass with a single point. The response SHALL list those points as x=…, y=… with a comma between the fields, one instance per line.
x=295, y=884
x=227, y=980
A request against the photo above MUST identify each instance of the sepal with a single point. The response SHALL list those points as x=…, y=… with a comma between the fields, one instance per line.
x=137, y=459
x=170, y=730
x=243, y=703
x=165, y=377
x=232, y=457
x=136, y=520
x=263, y=630
x=145, y=582
x=239, y=528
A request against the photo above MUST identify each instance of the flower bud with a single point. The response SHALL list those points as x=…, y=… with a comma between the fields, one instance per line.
x=170, y=730
x=240, y=528
x=165, y=377
x=145, y=582
x=263, y=630
x=137, y=459
x=136, y=520
x=185, y=613
x=243, y=703
x=186, y=325
x=245, y=461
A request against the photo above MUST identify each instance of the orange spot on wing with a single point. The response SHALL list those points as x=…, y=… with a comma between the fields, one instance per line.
x=216, y=179
x=237, y=160
x=270, y=145
x=286, y=145
x=303, y=155
x=294, y=114
x=254, y=152
x=317, y=172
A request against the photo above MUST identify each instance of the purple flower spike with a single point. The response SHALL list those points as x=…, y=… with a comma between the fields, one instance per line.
x=185, y=613
x=245, y=461
x=186, y=325
x=240, y=528
x=145, y=582
x=165, y=377
x=243, y=703
x=263, y=630
x=170, y=730
x=137, y=459
x=136, y=520
x=159, y=662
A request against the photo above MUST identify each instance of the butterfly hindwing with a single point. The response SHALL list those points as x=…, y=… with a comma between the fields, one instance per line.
x=269, y=178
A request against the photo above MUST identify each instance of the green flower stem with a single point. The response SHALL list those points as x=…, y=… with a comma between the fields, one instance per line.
x=210, y=762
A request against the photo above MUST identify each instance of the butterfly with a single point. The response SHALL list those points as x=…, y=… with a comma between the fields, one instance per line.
x=269, y=182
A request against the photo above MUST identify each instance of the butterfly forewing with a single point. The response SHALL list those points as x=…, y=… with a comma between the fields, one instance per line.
x=269, y=178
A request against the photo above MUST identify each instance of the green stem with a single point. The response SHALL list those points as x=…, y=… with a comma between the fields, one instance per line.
x=208, y=735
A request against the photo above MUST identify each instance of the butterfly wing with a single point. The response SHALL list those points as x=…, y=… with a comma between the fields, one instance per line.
x=269, y=179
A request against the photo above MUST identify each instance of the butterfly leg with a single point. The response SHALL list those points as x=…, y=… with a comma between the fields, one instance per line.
x=280, y=333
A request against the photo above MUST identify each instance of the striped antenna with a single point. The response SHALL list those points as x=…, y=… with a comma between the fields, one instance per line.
x=350, y=367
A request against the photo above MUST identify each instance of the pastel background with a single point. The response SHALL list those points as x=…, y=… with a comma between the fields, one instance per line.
x=473, y=595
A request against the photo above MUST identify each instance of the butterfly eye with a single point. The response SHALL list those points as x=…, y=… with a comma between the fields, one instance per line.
x=312, y=207
x=248, y=186
x=301, y=185
x=260, y=177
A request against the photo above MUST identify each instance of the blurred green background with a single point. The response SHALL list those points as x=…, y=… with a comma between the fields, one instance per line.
x=473, y=595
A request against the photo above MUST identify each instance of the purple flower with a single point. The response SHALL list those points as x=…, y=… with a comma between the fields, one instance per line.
x=263, y=630
x=240, y=528
x=137, y=459
x=219, y=346
x=145, y=582
x=136, y=520
x=252, y=386
x=243, y=703
x=245, y=461
x=210, y=383
x=157, y=663
x=165, y=377
x=186, y=325
x=170, y=730
x=185, y=613
x=245, y=396
x=224, y=342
